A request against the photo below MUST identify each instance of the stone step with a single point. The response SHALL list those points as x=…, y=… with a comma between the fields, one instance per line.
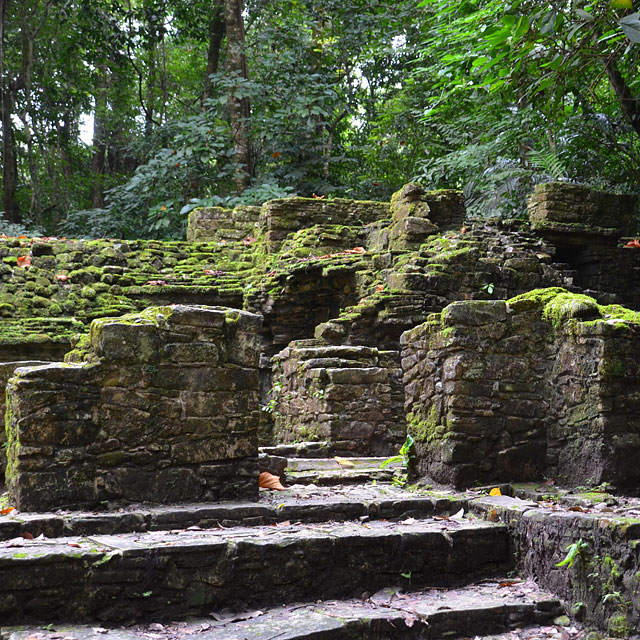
x=341, y=470
x=340, y=476
x=340, y=463
x=298, y=450
x=300, y=503
x=488, y=607
x=172, y=574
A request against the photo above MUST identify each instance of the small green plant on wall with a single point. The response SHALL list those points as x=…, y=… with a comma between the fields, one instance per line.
x=574, y=551
x=404, y=455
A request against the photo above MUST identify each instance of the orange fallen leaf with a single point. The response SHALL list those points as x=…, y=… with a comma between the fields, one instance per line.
x=492, y=516
x=380, y=287
x=61, y=277
x=267, y=480
x=577, y=508
x=633, y=244
x=74, y=544
x=248, y=240
x=464, y=229
x=7, y=510
x=24, y=261
x=155, y=282
x=508, y=584
x=319, y=197
x=275, y=154
x=22, y=237
x=356, y=250
x=495, y=492
x=27, y=536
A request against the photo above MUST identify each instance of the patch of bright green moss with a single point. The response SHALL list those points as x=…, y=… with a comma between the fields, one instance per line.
x=426, y=429
x=559, y=305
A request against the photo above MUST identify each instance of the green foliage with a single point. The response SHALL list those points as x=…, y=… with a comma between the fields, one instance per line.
x=347, y=99
x=574, y=551
x=405, y=454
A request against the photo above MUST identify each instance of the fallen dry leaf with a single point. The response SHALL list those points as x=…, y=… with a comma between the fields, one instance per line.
x=61, y=277
x=24, y=261
x=7, y=510
x=267, y=480
x=492, y=516
x=344, y=462
x=495, y=492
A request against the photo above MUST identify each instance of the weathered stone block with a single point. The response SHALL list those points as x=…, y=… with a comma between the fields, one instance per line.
x=350, y=396
x=559, y=208
x=558, y=394
x=151, y=419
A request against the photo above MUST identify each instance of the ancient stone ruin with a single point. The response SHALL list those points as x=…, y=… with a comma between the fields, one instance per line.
x=149, y=383
x=163, y=409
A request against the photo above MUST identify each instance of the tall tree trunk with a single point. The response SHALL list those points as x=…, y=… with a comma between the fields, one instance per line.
x=9, y=156
x=27, y=115
x=151, y=82
x=630, y=105
x=239, y=108
x=216, y=34
x=99, y=140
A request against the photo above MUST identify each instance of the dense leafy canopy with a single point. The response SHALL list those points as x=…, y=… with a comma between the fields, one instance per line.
x=328, y=97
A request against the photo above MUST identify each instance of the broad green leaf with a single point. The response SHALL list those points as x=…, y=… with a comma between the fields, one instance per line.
x=585, y=15
x=478, y=62
x=622, y=4
x=630, y=25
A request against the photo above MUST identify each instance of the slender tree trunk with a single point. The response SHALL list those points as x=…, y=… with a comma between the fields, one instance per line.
x=151, y=82
x=9, y=155
x=99, y=140
x=216, y=34
x=27, y=115
x=239, y=108
x=630, y=105
x=163, y=79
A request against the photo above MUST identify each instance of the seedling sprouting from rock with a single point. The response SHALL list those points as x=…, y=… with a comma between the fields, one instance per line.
x=575, y=550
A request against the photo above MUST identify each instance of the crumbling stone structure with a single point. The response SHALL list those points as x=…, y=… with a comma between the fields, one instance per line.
x=163, y=408
x=547, y=383
x=350, y=397
x=345, y=273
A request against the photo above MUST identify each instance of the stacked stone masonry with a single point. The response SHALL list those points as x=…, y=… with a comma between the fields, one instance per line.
x=349, y=273
x=546, y=384
x=348, y=396
x=164, y=410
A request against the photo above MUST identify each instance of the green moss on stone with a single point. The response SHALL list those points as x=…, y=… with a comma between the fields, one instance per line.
x=618, y=626
x=426, y=429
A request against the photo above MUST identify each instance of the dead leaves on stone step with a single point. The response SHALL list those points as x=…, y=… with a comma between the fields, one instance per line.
x=267, y=480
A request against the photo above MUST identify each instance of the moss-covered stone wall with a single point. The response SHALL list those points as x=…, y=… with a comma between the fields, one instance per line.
x=547, y=383
x=561, y=208
x=163, y=408
x=350, y=397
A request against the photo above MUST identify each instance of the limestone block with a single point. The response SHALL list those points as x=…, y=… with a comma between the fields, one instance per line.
x=571, y=209
x=558, y=393
x=350, y=396
x=152, y=418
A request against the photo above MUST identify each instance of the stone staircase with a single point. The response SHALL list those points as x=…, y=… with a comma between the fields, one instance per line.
x=322, y=562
